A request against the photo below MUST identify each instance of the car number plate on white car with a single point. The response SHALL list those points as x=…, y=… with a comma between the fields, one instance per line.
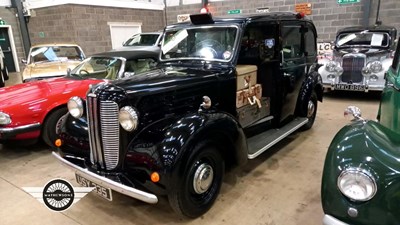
x=100, y=190
x=350, y=87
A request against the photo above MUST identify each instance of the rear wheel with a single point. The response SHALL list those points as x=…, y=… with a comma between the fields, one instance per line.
x=196, y=191
x=311, y=111
x=49, y=126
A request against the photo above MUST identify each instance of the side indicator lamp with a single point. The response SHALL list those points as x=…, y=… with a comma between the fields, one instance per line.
x=155, y=177
x=58, y=143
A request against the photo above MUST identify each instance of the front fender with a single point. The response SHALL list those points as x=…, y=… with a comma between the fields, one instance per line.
x=165, y=145
x=369, y=146
x=310, y=84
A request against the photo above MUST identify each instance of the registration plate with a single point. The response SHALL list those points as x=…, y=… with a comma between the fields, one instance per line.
x=350, y=87
x=100, y=190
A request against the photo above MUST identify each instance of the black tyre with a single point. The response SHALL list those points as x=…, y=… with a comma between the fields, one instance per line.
x=195, y=192
x=310, y=111
x=49, y=126
x=5, y=73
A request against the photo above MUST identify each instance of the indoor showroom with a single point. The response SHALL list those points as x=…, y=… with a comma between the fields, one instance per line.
x=278, y=112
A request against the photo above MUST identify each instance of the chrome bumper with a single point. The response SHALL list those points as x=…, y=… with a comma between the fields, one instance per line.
x=330, y=220
x=123, y=189
x=7, y=132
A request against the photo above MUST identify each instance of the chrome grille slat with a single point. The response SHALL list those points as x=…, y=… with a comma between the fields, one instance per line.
x=352, y=65
x=110, y=133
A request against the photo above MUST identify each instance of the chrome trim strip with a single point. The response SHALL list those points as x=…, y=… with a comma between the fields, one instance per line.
x=330, y=220
x=118, y=187
x=263, y=149
x=93, y=155
x=20, y=128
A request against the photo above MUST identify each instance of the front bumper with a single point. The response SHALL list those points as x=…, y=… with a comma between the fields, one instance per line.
x=330, y=220
x=118, y=187
x=10, y=132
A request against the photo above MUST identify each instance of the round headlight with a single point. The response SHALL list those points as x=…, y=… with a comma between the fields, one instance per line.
x=128, y=118
x=4, y=119
x=356, y=184
x=330, y=66
x=375, y=66
x=75, y=107
x=366, y=71
x=339, y=70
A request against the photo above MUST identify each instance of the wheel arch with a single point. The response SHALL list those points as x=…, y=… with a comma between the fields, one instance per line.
x=310, y=84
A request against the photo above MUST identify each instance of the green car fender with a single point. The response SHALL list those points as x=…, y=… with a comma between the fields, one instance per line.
x=371, y=147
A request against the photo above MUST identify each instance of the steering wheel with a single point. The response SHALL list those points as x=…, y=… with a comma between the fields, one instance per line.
x=83, y=71
x=210, y=46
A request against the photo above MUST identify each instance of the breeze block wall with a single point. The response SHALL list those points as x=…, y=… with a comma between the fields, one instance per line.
x=328, y=15
x=87, y=25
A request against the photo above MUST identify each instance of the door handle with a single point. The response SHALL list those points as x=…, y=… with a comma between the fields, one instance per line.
x=393, y=86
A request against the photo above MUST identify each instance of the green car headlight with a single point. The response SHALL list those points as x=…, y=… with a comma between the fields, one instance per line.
x=357, y=184
x=4, y=119
x=128, y=118
x=75, y=107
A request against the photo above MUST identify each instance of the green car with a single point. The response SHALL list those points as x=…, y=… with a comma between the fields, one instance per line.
x=361, y=177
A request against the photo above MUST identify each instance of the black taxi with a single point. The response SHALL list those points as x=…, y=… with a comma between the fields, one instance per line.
x=225, y=91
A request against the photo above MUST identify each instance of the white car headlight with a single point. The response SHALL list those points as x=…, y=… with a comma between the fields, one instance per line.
x=375, y=66
x=4, y=119
x=356, y=184
x=75, y=107
x=128, y=118
x=330, y=66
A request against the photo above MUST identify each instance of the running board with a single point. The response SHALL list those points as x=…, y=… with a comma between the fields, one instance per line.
x=261, y=142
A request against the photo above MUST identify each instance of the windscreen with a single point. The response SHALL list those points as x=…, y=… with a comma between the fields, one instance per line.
x=363, y=38
x=98, y=67
x=55, y=53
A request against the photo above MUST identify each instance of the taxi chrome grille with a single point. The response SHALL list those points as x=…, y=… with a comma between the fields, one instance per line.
x=352, y=66
x=103, y=128
x=110, y=133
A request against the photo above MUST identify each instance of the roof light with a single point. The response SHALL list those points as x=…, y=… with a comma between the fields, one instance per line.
x=300, y=15
x=204, y=10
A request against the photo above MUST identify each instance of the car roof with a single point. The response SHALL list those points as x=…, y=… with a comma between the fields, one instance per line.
x=132, y=53
x=54, y=44
x=371, y=28
x=259, y=17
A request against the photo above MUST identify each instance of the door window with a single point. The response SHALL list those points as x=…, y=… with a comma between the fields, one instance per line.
x=291, y=37
x=310, y=44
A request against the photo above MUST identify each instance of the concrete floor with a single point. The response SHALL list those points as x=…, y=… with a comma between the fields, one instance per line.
x=280, y=187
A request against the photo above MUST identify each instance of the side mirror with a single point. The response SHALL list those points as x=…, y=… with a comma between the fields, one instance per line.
x=24, y=61
x=128, y=74
x=68, y=72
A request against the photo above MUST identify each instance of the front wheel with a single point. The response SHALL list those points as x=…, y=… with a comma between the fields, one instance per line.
x=311, y=111
x=49, y=126
x=196, y=191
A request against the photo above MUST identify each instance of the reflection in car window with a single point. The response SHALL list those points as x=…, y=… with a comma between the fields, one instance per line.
x=291, y=41
x=310, y=41
x=139, y=65
x=202, y=42
x=55, y=53
x=142, y=40
x=366, y=38
x=98, y=67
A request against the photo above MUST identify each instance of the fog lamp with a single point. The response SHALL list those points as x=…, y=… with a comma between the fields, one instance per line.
x=75, y=107
x=128, y=118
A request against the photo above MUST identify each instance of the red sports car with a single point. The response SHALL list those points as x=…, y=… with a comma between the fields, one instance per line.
x=31, y=110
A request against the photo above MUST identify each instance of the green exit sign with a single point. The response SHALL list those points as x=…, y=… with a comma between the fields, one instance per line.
x=347, y=1
x=235, y=11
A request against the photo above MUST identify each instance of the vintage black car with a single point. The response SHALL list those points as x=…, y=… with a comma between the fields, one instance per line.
x=226, y=90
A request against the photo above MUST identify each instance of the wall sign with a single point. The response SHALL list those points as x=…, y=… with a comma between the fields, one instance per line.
x=304, y=8
x=347, y=1
x=235, y=11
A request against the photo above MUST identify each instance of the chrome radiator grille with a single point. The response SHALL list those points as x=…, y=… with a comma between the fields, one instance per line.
x=103, y=128
x=352, y=66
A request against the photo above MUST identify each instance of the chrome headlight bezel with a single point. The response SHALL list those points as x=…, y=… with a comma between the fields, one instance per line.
x=375, y=66
x=75, y=107
x=5, y=119
x=351, y=180
x=128, y=118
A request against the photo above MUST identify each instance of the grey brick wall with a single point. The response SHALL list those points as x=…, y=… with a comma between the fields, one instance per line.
x=87, y=25
x=327, y=15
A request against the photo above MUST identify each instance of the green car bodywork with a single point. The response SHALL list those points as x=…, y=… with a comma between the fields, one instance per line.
x=373, y=147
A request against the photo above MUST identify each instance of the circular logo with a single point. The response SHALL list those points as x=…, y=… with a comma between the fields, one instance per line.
x=58, y=195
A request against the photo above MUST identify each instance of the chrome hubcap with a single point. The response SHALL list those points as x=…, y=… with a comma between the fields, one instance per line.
x=311, y=109
x=203, y=178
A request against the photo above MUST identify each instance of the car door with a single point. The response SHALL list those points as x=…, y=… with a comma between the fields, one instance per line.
x=388, y=114
x=293, y=64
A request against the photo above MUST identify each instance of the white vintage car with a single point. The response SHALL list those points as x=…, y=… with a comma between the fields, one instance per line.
x=360, y=58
